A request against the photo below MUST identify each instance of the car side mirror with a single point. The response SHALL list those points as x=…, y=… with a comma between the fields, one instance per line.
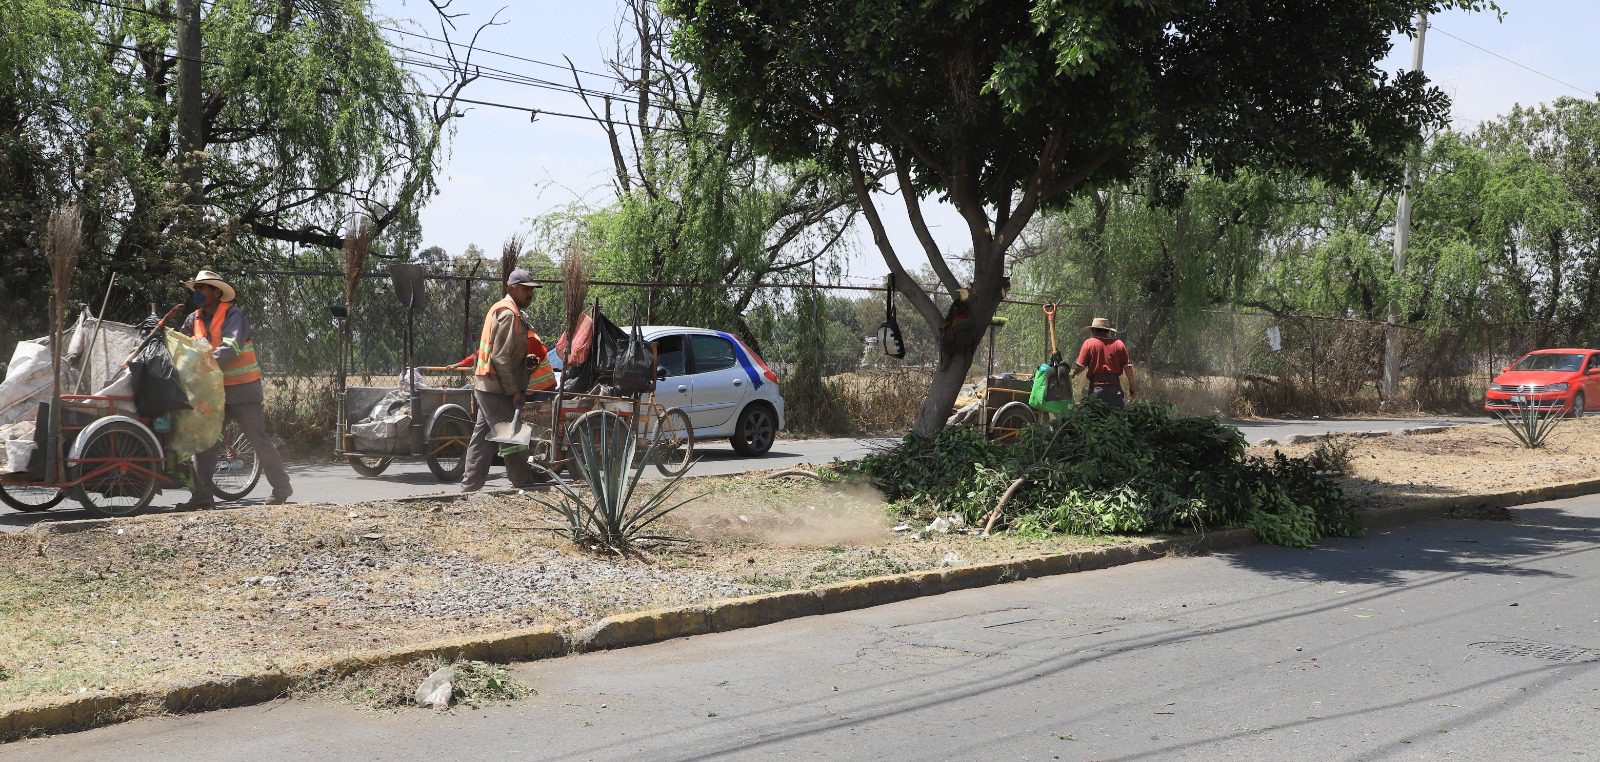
x=661, y=373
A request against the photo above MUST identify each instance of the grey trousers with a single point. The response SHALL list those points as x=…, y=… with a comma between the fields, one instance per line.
x=492, y=409
x=253, y=420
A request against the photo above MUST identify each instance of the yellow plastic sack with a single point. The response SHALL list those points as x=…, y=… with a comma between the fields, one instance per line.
x=199, y=427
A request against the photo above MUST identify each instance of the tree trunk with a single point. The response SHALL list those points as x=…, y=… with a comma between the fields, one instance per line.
x=942, y=393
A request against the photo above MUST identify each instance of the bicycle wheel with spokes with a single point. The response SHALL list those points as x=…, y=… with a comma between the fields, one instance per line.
x=369, y=466
x=29, y=498
x=672, y=442
x=237, y=470
x=449, y=432
x=115, y=467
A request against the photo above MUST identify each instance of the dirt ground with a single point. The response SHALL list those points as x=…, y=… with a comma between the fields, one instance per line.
x=162, y=599
x=168, y=598
x=1464, y=460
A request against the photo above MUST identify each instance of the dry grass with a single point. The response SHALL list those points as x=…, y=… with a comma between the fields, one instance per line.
x=1474, y=459
x=168, y=598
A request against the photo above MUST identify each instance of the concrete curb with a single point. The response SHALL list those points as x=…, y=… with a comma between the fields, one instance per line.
x=646, y=627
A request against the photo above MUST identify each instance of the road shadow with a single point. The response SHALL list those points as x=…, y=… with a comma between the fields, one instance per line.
x=725, y=455
x=1447, y=546
x=72, y=511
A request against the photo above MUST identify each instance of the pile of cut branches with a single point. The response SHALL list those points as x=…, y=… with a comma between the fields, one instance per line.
x=1102, y=471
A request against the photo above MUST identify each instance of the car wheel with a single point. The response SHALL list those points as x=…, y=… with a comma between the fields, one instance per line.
x=757, y=428
x=1577, y=406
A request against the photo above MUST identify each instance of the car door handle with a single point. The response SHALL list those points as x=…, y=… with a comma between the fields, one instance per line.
x=683, y=389
x=738, y=382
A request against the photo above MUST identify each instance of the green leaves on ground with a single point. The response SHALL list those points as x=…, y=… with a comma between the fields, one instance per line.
x=1104, y=472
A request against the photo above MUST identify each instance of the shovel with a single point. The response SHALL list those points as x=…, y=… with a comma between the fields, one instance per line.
x=512, y=433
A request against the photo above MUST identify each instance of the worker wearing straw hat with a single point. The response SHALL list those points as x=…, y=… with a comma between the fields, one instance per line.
x=224, y=326
x=500, y=382
x=1105, y=358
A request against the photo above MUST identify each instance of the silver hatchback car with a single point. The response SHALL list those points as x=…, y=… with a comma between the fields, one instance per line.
x=724, y=386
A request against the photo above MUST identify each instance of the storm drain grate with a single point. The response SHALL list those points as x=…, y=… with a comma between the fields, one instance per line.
x=1546, y=651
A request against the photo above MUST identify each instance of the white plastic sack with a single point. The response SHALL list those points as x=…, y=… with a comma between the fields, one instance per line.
x=27, y=382
x=19, y=453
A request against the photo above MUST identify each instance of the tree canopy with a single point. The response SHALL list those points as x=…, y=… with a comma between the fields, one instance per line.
x=306, y=115
x=1004, y=108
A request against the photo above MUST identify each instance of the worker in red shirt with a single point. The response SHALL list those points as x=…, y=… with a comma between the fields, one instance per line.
x=1105, y=358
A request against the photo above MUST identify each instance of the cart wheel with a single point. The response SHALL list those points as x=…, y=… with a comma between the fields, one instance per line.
x=672, y=442
x=114, y=464
x=28, y=498
x=369, y=466
x=1009, y=421
x=448, y=433
x=600, y=434
x=238, y=470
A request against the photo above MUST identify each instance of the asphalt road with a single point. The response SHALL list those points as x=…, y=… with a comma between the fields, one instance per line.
x=337, y=483
x=1444, y=640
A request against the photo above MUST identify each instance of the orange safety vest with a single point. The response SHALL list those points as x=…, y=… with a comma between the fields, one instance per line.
x=242, y=369
x=541, y=377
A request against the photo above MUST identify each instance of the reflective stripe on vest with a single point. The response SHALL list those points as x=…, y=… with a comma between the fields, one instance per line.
x=242, y=369
x=542, y=378
x=481, y=367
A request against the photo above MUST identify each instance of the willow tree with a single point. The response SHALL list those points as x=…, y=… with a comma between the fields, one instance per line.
x=694, y=203
x=305, y=115
x=1004, y=107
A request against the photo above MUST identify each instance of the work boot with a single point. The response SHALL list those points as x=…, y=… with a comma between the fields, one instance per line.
x=471, y=487
x=197, y=503
x=279, y=498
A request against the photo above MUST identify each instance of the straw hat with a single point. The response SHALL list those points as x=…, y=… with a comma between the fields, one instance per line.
x=212, y=279
x=1101, y=324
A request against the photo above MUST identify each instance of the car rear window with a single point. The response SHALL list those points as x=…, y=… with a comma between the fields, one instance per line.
x=1550, y=362
x=711, y=353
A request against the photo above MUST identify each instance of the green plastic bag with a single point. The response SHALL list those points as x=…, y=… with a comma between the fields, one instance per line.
x=199, y=427
x=1041, y=381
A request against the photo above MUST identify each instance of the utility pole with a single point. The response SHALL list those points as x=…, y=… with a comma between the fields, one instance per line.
x=191, y=129
x=1402, y=240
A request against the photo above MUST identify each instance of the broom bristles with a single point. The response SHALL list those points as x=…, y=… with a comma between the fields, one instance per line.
x=509, y=252
x=64, y=236
x=356, y=244
x=574, y=286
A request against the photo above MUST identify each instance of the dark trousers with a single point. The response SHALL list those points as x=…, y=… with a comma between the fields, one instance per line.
x=253, y=420
x=1109, y=392
x=492, y=409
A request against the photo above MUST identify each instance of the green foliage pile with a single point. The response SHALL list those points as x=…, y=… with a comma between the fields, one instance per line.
x=1100, y=471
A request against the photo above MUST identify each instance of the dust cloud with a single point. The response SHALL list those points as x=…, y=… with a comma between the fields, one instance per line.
x=800, y=515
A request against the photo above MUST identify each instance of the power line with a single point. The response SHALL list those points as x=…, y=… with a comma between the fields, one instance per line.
x=1586, y=93
x=533, y=113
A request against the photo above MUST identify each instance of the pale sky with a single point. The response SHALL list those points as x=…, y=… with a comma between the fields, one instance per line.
x=503, y=170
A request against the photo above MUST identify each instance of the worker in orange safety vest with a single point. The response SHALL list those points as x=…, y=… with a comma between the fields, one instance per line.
x=224, y=326
x=501, y=380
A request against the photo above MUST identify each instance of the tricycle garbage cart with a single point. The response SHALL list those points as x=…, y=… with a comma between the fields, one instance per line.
x=110, y=459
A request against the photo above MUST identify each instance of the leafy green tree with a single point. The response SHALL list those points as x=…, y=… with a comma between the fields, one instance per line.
x=306, y=114
x=1005, y=108
x=694, y=203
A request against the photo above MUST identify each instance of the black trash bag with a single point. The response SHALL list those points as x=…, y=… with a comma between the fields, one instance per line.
x=156, y=390
x=635, y=370
x=1058, y=380
x=604, y=352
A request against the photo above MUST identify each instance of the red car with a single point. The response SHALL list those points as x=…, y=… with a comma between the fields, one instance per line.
x=1555, y=379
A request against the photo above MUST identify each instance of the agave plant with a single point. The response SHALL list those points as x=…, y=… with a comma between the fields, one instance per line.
x=615, y=514
x=1530, y=423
